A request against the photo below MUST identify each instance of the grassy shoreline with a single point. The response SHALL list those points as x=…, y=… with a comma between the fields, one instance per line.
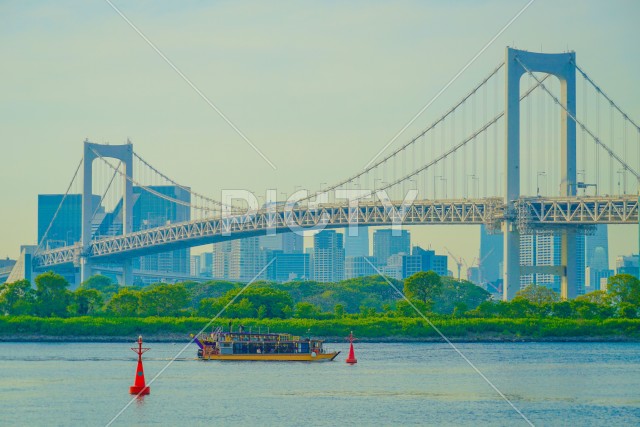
x=382, y=329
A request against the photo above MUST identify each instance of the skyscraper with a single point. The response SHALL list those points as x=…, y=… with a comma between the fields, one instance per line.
x=628, y=265
x=286, y=267
x=245, y=259
x=535, y=250
x=288, y=243
x=205, y=265
x=386, y=244
x=66, y=228
x=359, y=266
x=149, y=211
x=358, y=244
x=596, y=250
x=545, y=250
x=432, y=262
x=490, y=260
x=238, y=260
x=195, y=265
x=221, y=256
x=328, y=256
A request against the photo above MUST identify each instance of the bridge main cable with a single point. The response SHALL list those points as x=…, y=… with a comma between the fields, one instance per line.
x=55, y=215
x=461, y=144
x=600, y=91
x=582, y=125
x=152, y=191
x=187, y=189
x=413, y=140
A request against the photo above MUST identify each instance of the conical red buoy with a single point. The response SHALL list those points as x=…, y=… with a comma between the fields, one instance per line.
x=139, y=386
x=352, y=357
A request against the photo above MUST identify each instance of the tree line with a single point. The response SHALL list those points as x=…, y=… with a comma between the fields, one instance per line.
x=366, y=297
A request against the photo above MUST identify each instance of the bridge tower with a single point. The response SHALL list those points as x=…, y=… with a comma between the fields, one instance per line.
x=124, y=153
x=562, y=66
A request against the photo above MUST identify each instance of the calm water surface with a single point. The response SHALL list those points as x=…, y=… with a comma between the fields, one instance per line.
x=84, y=384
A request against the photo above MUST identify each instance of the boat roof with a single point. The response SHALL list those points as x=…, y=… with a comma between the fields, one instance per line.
x=265, y=335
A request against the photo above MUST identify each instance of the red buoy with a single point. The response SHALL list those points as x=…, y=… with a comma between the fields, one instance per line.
x=352, y=357
x=139, y=386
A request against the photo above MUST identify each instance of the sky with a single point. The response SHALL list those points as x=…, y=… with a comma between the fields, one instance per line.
x=318, y=87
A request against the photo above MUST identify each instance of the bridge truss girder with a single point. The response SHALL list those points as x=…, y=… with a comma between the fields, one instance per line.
x=541, y=214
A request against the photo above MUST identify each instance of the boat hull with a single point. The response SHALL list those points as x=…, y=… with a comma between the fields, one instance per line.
x=305, y=357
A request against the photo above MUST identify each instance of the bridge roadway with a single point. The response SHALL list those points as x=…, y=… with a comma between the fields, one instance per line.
x=530, y=213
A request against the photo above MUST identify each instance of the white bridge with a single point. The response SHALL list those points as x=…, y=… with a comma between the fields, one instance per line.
x=563, y=170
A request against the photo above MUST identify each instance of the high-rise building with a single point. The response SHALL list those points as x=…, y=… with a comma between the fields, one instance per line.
x=356, y=245
x=202, y=264
x=596, y=249
x=149, y=211
x=66, y=229
x=309, y=251
x=359, y=266
x=393, y=268
x=238, y=260
x=221, y=259
x=473, y=275
x=287, y=266
x=538, y=250
x=328, y=256
x=490, y=260
x=432, y=262
x=246, y=259
x=545, y=250
x=388, y=242
x=594, y=279
x=206, y=264
x=195, y=265
x=288, y=243
x=411, y=264
x=627, y=265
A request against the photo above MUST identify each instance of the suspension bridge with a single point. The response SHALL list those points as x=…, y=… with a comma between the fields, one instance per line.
x=521, y=153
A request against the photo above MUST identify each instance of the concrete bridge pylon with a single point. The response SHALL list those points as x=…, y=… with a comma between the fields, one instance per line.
x=562, y=66
x=124, y=153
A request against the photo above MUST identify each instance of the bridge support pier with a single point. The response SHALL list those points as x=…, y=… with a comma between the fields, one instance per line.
x=568, y=259
x=127, y=273
x=86, y=269
x=511, y=263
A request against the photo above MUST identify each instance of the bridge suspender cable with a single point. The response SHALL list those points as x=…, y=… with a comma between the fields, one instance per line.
x=105, y=193
x=582, y=125
x=413, y=140
x=150, y=190
x=187, y=189
x=600, y=91
x=461, y=144
x=55, y=215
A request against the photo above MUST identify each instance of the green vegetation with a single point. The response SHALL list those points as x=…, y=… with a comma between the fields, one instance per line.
x=371, y=328
x=367, y=305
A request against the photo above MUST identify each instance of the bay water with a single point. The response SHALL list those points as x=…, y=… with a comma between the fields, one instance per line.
x=86, y=384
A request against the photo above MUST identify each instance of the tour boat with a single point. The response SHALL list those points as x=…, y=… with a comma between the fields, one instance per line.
x=247, y=346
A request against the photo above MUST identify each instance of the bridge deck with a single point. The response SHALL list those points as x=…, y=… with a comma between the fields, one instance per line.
x=535, y=212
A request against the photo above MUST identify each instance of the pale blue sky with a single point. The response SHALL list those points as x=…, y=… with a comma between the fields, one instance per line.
x=320, y=87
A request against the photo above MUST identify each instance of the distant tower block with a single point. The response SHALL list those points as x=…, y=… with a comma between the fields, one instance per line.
x=561, y=65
